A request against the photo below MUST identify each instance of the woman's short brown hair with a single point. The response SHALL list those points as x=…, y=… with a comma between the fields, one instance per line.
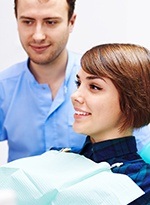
x=128, y=66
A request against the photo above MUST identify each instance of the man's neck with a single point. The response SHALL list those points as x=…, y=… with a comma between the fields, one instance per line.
x=52, y=74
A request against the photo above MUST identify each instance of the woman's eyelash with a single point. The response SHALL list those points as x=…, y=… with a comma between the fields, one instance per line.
x=95, y=87
x=92, y=86
x=77, y=83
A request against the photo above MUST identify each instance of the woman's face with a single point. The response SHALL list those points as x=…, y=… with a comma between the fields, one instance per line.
x=97, y=108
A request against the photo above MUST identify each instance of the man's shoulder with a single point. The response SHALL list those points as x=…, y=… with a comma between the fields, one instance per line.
x=73, y=62
x=13, y=70
x=74, y=56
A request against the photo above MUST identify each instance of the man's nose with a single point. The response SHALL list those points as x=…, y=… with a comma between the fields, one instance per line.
x=39, y=34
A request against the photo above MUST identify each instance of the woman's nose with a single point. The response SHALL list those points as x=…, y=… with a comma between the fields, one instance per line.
x=77, y=97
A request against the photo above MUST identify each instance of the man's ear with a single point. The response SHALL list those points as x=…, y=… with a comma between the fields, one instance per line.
x=72, y=22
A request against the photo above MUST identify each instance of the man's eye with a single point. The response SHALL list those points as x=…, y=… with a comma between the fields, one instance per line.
x=77, y=83
x=51, y=22
x=27, y=22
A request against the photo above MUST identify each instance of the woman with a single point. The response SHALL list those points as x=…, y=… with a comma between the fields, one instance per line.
x=112, y=99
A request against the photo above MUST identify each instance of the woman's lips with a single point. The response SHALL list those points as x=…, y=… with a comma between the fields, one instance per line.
x=80, y=114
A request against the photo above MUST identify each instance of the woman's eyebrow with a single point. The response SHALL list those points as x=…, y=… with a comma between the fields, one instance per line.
x=92, y=77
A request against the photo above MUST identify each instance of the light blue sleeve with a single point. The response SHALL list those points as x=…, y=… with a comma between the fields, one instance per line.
x=2, y=137
x=142, y=136
x=145, y=153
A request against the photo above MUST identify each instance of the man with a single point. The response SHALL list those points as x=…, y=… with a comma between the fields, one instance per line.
x=35, y=106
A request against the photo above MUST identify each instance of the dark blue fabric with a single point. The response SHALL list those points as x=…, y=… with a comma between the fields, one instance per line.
x=124, y=152
x=143, y=200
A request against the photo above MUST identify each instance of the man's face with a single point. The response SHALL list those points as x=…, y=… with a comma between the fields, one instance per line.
x=44, y=28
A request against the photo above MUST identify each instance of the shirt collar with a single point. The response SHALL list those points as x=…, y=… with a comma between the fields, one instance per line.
x=72, y=61
x=105, y=150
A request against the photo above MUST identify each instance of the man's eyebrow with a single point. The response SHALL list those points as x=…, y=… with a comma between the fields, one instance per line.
x=52, y=18
x=46, y=18
x=26, y=17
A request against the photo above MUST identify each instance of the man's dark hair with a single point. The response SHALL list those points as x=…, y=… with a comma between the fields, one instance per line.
x=71, y=6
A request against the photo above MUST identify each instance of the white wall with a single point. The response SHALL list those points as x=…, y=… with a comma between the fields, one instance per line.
x=98, y=21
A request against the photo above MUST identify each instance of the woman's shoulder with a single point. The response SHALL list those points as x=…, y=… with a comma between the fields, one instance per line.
x=138, y=170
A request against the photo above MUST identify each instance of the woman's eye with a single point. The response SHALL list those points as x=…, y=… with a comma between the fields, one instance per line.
x=94, y=87
x=77, y=83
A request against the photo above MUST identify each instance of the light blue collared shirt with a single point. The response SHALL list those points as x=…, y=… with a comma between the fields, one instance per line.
x=29, y=119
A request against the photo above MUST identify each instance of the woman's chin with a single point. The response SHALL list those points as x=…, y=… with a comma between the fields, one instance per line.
x=78, y=129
